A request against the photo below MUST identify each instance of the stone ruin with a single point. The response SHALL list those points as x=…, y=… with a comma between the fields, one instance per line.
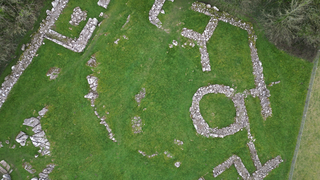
x=27, y=166
x=104, y=3
x=6, y=177
x=78, y=44
x=77, y=16
x=261, y=90
x=155, y=11
x=21, y=138
x=39, y=139
x=136, y=124
x=44, y=175
x=241, y=120
x=202, y=40
x=31, y=49
x=5, y=170
x=138, y=97
x=53, y=73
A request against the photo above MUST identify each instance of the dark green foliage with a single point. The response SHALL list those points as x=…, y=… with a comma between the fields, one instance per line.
x=16, y=18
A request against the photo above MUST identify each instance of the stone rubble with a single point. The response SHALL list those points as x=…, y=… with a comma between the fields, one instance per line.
x=202, y=40
x=136, y=124
x=104, y=3
x=53, y=73
x=138, y=97
x=7, y=141
x=145, y=154
x=77, y=44
x=39, y=139
x=93, y=94
x=1, y=144
x=273, y=83
x=6, y=177
x=154, y=12
x=175, y=43
x=92, y=62
x=43, y=111
x=168, y=154
x=177, y=164
x=77, y=16
x=27, y=166
x=4, y=167
x=128, y=19
x=13, y=146
x=23, y=47
x=21, y=138
x=44, y=175
x=31, y=49
x=261, y=90
x=178, y=142
x=117, y=41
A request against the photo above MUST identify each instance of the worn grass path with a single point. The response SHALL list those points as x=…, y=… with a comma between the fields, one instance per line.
x=307, y=165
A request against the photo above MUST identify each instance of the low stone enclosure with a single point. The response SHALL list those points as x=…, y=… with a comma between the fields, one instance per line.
x=241, y=119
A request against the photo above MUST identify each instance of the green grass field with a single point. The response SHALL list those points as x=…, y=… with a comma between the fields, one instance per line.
x=80, y=146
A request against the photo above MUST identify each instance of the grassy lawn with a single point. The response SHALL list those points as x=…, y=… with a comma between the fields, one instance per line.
x=80, y=146
x=308, y=161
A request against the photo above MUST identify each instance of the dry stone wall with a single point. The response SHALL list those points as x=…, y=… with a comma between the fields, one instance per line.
x=241, y=119
x=31, y=50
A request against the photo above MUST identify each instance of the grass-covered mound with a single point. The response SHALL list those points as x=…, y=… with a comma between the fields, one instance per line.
x=80, y=146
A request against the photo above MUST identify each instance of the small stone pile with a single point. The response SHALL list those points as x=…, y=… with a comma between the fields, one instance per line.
x=39, y=139
x=53, y=72
x=140, y=96
x=177, y=164
x=104, y=3
x=168, y=154
x=76, y=45
x=93, y=94
x=92, y=62
x=178, y=142
x=202, y=40
x=21, y=138
x=5, y=170
x=154, y=12
x=77, y=16
x=27, y=166
x=136, y=124
x=31, y=50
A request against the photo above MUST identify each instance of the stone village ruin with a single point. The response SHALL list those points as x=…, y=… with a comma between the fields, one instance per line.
x=78, y=45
